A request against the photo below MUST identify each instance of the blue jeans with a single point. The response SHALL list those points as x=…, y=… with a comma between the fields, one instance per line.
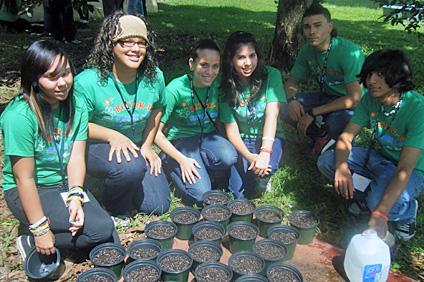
x=380, y=170
x=98, y=226
x=215, y=155
x=128, y=185
x=137, y=6
x=245, y=183
x=335, y=122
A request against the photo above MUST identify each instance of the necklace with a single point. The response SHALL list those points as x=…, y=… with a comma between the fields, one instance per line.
x=394, y=110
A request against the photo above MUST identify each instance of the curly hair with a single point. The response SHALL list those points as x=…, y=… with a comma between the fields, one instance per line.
x=393, y=64
x=102, y=57
x=230, y=83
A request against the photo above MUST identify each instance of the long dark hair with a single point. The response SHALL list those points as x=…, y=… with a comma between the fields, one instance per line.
x=36, y=60
x=230, y=82
x=101, y=56
x=393, y=64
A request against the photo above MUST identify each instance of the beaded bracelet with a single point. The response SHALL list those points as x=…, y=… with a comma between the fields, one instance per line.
x=380, y=214
x=40, y=229
x=42, y=232
x=266, y=150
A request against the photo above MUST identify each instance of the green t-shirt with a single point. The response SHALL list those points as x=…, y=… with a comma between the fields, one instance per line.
x=407, y=129
x=20, y=138
x=272, y=91
x=106, y=107
x=185, y=119
x=343, y=64
x=7, y=15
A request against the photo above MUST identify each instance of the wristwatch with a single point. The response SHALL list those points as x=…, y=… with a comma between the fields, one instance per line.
x=291, y=99
x=311, y=113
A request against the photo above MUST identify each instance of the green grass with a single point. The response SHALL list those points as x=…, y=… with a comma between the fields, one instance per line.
x=297, y=184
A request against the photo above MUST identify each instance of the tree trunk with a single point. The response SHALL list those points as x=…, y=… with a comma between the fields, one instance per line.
x=288, y=37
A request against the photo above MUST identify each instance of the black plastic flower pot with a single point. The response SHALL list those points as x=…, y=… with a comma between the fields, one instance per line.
x=142, y=268
x=213, y=247
x=240, y=215
x=267, y=216
x=241, y=264
x=307, y=230
x=219, y=271
x=201, y=226
x=276, y=253
x=242, y=236
x=177, y=275
x=275, y=231
x=213, y=210
x=96, y=272
x=116, y=266
x=165, y=241
x=144, y=249
x=39, y=266
x=251, y=278
x=184, y=228
x=277, y=270
x=216, y=197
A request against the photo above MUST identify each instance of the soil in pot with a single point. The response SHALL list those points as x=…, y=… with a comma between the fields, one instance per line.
x=241, y=208
x=185, y=217
x=97, y=278
x=283, y=237
x=269, y=252
x=216, y=214
x=144, y=253
x=212, y=274
x=204, y=254
x=246, y=265
x=208, y=234
x=304, y=220
x=270, y=215
x=175, y=263
x=161, y=231
x=281, y=275
x=107, y=257
x=212, y=200
x=243, y=232
x=143, y=274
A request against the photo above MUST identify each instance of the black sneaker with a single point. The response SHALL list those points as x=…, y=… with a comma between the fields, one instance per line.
x=25, y=244
x=407, y=230
x=358, y=208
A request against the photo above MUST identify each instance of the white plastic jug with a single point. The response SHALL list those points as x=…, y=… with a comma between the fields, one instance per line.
x=367, y=258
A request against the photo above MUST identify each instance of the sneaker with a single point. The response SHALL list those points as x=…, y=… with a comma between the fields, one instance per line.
x=406, y=230
x=389, y=239
x=24, y=245
x=320, y=145
x=269, y=185
x=358, y=208
x=122, y=222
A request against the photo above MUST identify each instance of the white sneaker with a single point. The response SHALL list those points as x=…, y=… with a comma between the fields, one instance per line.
x=24, y=245
x=123, y=222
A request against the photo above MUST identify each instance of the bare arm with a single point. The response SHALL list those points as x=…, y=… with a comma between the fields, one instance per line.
x=187, y=165
x=398, y=182
x=117, y=141
x=295, y=109
x=233, y=134
x=261, y=164
x=76, y=175
x=343, y=183
x=23, y=170
x=149, y=134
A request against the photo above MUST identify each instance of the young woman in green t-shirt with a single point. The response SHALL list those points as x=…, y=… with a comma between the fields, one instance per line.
x=195, y=151
x=252, y=94
x=44, y=134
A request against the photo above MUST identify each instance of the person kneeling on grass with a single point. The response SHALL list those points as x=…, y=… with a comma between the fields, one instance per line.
x=395, y=114
x=44, y=133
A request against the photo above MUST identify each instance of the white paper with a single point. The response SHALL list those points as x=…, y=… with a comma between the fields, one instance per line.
x=360, y=182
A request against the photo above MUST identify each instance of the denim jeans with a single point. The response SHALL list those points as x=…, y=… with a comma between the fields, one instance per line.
x=245, y=183
x=335, y=122
x=136, y=6
x=128, y=185
x=111, y=6
x=380, y=170
x=98, y=226
x=215, y=155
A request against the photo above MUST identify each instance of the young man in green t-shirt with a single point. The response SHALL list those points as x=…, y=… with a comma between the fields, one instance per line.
x=395, y=170
x=335, y=62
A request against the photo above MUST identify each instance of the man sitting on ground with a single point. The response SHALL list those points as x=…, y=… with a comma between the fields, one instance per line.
x=335, y=62
x=395, y=170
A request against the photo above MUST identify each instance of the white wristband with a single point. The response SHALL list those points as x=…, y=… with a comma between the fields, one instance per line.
x=267, y=138
x=38, y=222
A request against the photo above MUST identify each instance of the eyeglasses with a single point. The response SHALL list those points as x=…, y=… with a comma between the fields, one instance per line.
x=130, y=44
